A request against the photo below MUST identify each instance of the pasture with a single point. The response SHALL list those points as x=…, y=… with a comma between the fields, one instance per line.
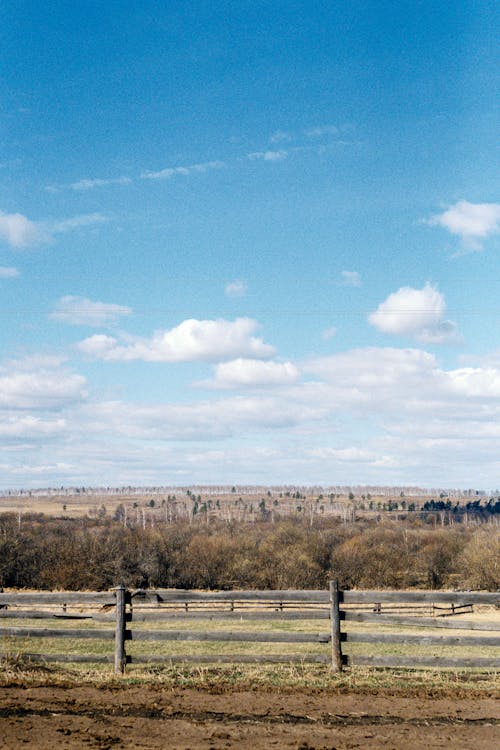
x=178, y=701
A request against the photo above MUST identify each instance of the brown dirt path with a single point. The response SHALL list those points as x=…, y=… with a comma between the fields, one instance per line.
x=156, y=717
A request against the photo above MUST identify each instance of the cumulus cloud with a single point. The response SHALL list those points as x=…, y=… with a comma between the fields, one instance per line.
x=268, y=155
x=18, y=231
x=164, y=174
x=236, y=288
x=82, y=311
x=398, y=382
x=192, y=340
x=472, y=222
x=418, y=313
x=252, y=373
x=350, y=278
x=8, y=272
x=396, y=414
x=44, y=389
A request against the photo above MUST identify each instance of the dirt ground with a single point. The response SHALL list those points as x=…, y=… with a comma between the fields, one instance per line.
x=154, y=717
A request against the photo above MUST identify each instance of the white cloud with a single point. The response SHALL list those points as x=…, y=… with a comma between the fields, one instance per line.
x=351, y=278
x=29, y=427
x=18, y=231
x=75, y=222
x=82, y=311
x=163, y=174
x=236, y=288
x=475, y=382
x=329, y=333
x=280, y=136
x=34, y=362
x=369, y=376
x=88, y=184
x=381, y=415
x=202, y=420
x=192, y=340
x=44, y=389
x=418, y=313
x=8, y=272
x=351, y=454
x=321, y=130
x=252, y=373
x=470, y=221
x=396, y=382
x=268, y=155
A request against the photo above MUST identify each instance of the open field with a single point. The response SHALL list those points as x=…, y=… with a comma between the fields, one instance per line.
x=177, y=649
x=244, y=504
x=300, y=706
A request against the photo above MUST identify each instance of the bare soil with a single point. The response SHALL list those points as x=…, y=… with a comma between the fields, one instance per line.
x=131, y=716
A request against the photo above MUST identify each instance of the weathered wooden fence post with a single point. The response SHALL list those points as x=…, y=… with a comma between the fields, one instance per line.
x=120, y=657
x=335, y=627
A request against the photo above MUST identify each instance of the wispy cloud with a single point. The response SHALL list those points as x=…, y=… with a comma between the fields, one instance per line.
x=268, y=155
x=350, y=278
x=329, y=333
x=321, y=130
x=75, y=222
x=280, y=136
x=164, y=174
x=88, y=184
x=236, y=288
x=8, y=272
x=82, y=311
x=472, y=222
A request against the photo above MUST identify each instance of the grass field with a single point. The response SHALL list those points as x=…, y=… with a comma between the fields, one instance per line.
x=15, y=665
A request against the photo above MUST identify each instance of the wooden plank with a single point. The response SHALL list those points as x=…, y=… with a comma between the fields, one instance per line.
x=228, y=659
x=65, y=658
x=421, y=622
x=227, y=635
x=462, y=597
x=424, y=640
x=28, y=614
x=22, y=598
x=56, y=633
x=159, y=615
x=288, y=595
x=423, y=661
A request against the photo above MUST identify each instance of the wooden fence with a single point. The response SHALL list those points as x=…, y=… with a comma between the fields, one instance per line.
x=121, y=607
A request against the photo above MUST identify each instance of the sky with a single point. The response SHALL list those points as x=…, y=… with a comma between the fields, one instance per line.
x=249, y=243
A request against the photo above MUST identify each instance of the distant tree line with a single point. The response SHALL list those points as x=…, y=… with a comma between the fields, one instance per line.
x=46, y=553
x=475, y=507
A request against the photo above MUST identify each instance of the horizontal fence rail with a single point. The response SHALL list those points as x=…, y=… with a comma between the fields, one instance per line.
x=385, y=609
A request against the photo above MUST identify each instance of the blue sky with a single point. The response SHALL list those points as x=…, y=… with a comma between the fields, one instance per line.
x=251, y=242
